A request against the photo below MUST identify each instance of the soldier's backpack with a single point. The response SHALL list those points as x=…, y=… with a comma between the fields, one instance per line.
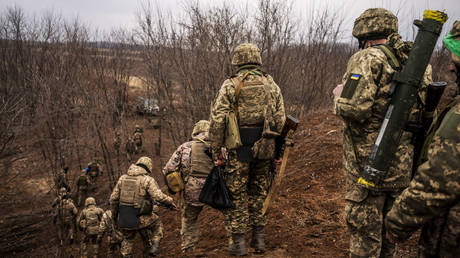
x=82, y=181
x=92, y=221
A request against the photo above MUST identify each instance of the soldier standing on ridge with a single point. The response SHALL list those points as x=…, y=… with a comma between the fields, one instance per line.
x=432, y=199
x=260, y=112
x=137, y=137
x=64, y=216
x=88, y=221
x=132, y=202
x=362, y=106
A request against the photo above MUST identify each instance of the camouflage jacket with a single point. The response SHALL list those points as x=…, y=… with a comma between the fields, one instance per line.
x=90, y=212
x=148, y=189
x=363, y=112
x=180, y=160
x=64, y=210
x=106, y=226
x=433, y=196
x=137, y=137
x=251, y=105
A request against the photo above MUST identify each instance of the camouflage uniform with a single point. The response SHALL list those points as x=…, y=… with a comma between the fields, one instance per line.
x=363, y=110
x=248, y=182
x=89, y=220
x=83, y=184
x=61, y=179
x=190, y=205
x=114, y=236
x=150, y=227
x=130, y=148
x=94, y=171
x=64, y=216
x=137, y=138
x=432, y=199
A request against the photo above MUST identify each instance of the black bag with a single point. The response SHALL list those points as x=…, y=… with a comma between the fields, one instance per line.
x=215, y=193
x=128, y=217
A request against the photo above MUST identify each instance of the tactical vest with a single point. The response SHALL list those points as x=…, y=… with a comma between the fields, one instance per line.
x=201, y=163
x=129, y=191
x=65, y=210
x=92, y=220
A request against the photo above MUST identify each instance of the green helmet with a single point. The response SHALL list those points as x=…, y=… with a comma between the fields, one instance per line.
x=246, y=53
x=452, y=42
x=90, y=201
x=375, y=23
x=146, y=161
x=200, y=127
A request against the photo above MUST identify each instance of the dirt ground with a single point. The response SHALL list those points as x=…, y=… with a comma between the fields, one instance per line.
x=305, y=220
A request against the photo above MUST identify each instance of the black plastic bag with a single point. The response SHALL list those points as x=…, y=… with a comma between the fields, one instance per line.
x=215, y=193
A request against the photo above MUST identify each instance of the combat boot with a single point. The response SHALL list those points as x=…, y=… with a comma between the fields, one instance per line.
x=257, y=241
x=238, y=246
x=154, y=249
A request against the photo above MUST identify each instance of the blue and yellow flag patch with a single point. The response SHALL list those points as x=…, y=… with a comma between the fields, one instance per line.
x=355, y=76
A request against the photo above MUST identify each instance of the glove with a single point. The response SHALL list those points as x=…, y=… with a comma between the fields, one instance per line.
x=371, y=177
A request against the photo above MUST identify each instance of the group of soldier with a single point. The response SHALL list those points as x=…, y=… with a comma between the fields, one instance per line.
x=377, y=217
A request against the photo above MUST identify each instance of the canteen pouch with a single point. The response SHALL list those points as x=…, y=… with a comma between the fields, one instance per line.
x=264, y=148
x=128, y=217
x=175, y=182
x=232, y=133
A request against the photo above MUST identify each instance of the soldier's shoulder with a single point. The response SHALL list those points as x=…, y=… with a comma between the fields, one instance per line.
x=370, y=54
x=450, y=125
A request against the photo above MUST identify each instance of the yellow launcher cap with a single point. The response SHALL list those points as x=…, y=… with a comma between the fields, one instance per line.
x=435, y=15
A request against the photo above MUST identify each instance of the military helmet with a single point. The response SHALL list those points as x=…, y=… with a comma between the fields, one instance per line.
x=452, y=42
x=200, y=127
x=90, y=201
x=375, y=23
x=246, y=53
x=147, y=162
x=62, y=191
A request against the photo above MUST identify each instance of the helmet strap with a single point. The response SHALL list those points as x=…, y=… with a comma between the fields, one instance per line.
x=144, y=167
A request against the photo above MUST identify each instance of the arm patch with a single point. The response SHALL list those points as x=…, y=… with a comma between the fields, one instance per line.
x=450, y=126
x=350, y=86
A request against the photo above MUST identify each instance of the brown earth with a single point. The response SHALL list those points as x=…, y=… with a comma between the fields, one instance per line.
x=306, y=219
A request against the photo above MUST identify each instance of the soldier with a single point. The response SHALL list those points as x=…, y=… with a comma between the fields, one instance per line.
x=114, y=236
x=257, y=101
x=362, y=107
x=432, y=199
x=94, y=170
x=61, y=179
x=137, y=137
x=117, y=141
x=88, y=221
x=194, y=166
x=130, y=148
x=132, y=202
x=64, y=216
x=83, y=184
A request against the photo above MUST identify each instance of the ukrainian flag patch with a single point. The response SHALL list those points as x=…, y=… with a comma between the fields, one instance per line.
x=355, y=76
x=350, y=86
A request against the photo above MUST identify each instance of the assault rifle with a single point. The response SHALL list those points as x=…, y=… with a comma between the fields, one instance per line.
x=289, y=125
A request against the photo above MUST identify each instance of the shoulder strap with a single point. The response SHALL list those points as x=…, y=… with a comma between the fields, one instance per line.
x=238, y=91
x=201, y=140
x=392, y=59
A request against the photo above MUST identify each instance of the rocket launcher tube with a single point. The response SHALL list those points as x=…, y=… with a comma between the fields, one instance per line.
x=406, y=83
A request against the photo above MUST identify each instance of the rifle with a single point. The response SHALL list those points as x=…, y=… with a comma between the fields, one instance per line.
x=433, y=95
x=290, y=125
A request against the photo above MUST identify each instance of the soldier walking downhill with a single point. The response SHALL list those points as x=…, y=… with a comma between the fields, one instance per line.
x=362, y=106
x=258, y=104
x=132, y=205
x=83, y=184
x=114, y=236
x=65, y=213
x=432, y=199
x=88, y=221
x=193, y=164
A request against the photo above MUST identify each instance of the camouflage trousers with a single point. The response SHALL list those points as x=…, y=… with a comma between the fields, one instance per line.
x=65, y=232
x=81, y=197
x=114, y=245
x=87, y=239
x=149, y=235
x=365, y=213
x=189, y=228
x=248, y=184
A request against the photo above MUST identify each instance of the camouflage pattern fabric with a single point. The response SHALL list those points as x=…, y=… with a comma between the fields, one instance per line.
x=246, y=53
x=89, y=234
x=150, y=234
x=149, y=189
x=251, y=105
x=363, y=110
x=375, y=22
x=248, y=184
x=114, y=236
x=364, y=214
x=189, y=226
x=432, y=198
x=64, y=215
x=137, y=138
x=117, y=142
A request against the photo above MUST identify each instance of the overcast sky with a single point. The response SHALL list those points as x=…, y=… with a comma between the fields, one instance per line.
x=108, y=14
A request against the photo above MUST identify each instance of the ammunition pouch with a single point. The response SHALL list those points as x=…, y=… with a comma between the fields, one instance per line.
x=128, y=217
x=174, y=181
x=264, y=148
x=249, y=135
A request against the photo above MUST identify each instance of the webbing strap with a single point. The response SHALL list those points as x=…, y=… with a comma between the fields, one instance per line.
x=391, y=56
x=238, y=91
